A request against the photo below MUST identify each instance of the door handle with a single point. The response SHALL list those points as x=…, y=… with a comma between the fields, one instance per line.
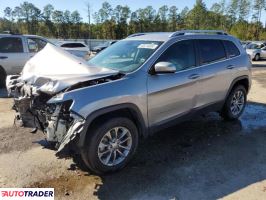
x=3, y=57
x=230, y=67
x=194, y=76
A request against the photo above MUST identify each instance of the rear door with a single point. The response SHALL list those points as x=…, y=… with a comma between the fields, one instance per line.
x=217, y=71
x=174, y=94
x=12, y=54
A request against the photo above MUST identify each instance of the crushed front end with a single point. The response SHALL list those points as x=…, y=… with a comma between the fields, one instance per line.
x=51, y=73
x=33, y=110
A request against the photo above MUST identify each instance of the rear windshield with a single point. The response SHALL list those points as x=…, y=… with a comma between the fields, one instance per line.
x=11, y=45
x=73, y=45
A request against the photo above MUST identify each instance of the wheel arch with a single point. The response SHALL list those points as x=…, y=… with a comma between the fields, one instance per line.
x=125, y=110
x=242, y=80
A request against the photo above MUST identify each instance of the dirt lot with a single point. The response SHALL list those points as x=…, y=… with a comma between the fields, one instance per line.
x=205, y=158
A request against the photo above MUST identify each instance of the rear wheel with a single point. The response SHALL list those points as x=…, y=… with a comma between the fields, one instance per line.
x=111, y=145
x=2, y=77
x=235, y=103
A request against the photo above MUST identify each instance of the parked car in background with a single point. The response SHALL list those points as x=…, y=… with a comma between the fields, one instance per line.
x=146, y=82
x=78, y=49
x=256, y=51
x=103, y=46
x=15, y=51
x=245, y=43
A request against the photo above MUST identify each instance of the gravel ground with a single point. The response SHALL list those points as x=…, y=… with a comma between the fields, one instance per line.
x=205, y=158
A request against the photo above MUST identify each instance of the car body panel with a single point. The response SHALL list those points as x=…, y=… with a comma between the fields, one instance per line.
x=83, y=90
x=253, y=52
x=86, y=101
x=171, y=94
x=256, y=48
x=61, y=70
x=263, y=52
x=14, y=62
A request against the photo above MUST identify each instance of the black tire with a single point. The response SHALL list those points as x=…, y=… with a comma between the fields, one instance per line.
x=257, y=57
x=90, y=153
x=227, y=112
x=2, y=77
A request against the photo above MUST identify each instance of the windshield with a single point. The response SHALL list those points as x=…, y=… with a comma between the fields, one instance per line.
x=125, y=56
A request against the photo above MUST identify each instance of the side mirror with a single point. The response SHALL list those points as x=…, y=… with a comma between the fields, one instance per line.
x=164, y=67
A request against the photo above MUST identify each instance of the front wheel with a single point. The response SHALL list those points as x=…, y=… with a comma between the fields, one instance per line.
x=235, y=103
x=257, y=57
x=110, y=146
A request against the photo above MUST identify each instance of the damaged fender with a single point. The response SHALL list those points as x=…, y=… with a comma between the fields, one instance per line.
x=72, y=133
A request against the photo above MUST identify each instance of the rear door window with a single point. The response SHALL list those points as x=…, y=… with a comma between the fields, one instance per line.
x=11, y=45
x=211, y=51
x=231, y=48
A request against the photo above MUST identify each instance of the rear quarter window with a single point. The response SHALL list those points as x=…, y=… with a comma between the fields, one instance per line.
x=211, y=50
x=11, y=45
x=231, y=49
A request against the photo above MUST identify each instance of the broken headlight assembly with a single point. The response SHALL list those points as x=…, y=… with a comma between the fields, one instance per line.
x=63, y=125
x=58, y=120
x=56, y=99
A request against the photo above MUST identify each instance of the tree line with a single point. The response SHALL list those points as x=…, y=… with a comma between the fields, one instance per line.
x=241, y=18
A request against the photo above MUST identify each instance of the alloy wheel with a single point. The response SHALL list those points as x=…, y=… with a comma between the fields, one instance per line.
x=115, y=146
x=237, y=102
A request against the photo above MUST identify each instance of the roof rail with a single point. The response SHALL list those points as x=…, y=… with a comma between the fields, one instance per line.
x=135, y=34
x=184, y=32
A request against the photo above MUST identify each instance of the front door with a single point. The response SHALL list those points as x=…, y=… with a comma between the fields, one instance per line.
x=174, y=94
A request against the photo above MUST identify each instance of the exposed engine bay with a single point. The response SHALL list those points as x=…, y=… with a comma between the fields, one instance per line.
x=43, y=79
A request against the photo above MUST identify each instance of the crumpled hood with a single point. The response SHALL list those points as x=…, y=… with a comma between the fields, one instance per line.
x=53, y=69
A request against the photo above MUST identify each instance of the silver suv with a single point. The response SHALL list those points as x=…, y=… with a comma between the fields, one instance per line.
x=146, y=82
x=15, y=51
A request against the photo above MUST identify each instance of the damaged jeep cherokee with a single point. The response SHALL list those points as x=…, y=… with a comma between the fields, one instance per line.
x=148, y=81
